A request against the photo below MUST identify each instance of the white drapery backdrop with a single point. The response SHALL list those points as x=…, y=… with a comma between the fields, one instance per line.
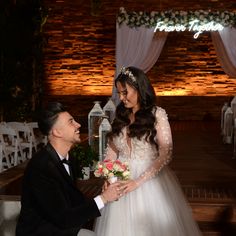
x=139, y=47
x=225, y=45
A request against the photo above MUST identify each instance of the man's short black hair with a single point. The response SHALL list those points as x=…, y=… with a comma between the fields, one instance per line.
x=48, y=116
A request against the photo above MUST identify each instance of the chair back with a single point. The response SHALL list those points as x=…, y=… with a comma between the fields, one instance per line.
x=26, y=135
x=11, y=151
x=40, y=139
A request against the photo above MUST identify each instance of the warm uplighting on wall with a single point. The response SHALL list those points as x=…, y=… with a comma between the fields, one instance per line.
x=69, y=84
x=173, y=92
x=101, y=85
x=85, y=81
x=96, y=90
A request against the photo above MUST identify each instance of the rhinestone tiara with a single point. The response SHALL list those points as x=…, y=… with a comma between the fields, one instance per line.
x=126, y=71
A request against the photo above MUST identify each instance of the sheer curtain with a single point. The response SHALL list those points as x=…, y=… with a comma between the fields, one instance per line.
x=225, y=45
x=138, y=47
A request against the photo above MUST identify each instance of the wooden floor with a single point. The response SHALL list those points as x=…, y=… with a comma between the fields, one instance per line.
x=206, y=171
x=200, y=158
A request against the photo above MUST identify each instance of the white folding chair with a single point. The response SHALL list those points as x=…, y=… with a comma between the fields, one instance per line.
x=26, y=138
x=40, y=139
x=11, y=152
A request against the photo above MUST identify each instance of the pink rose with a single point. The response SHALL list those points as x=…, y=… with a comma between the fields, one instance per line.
x=109, y=165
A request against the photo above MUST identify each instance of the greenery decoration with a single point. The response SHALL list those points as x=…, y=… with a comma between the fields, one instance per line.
x=83, y=156
x=173, y=18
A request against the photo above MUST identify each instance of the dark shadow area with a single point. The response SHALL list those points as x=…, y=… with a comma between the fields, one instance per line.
x=226, y=227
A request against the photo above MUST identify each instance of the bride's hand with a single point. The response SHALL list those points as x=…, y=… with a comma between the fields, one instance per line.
x=129, y=186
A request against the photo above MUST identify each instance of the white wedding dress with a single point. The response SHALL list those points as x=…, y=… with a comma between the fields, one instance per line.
x=157, y=207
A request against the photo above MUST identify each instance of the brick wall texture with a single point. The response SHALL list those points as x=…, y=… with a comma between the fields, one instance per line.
x=80, y=55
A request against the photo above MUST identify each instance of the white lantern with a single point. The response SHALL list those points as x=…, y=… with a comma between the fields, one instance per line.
x=94, y=121
x=233, y=106
x=223, y=110
x=109, y=109
x=104, y=129
x=228, y=126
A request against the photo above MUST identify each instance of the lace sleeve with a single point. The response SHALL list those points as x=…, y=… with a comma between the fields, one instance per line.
x=164, y=141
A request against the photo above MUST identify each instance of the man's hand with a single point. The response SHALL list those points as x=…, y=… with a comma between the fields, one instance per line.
x=112, y=192
x=105, y=185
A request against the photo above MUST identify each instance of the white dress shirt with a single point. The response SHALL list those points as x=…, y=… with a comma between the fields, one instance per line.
x=98, y=199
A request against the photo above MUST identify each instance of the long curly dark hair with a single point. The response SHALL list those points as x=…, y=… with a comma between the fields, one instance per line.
x=145, y=117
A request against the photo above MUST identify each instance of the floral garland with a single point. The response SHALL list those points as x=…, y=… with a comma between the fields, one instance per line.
x=173, y=18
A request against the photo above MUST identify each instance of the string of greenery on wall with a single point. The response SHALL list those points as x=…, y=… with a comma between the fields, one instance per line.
x=172, y=18
x=21, y=69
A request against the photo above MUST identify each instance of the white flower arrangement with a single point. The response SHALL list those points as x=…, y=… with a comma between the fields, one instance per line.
x=173, y=18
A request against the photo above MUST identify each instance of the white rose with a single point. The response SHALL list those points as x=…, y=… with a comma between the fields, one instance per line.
x=110, y=175
x=126, y=174
x=105, y=171
x=99, y=166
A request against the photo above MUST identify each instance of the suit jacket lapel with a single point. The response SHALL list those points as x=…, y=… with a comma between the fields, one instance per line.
x=58, y=164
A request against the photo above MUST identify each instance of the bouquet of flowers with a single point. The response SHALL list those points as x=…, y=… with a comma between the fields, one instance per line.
x=112, y=170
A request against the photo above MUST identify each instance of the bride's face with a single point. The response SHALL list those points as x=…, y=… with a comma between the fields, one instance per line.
x=129, y=96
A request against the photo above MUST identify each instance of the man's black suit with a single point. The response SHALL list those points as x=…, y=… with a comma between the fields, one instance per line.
x=51, y=203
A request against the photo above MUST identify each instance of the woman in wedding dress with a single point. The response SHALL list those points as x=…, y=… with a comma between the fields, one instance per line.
x=152, y=203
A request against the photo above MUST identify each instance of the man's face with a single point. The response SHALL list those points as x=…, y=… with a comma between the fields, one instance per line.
x=67, y=128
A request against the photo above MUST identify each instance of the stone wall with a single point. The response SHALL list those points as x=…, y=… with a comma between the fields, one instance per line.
x=80, y=53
